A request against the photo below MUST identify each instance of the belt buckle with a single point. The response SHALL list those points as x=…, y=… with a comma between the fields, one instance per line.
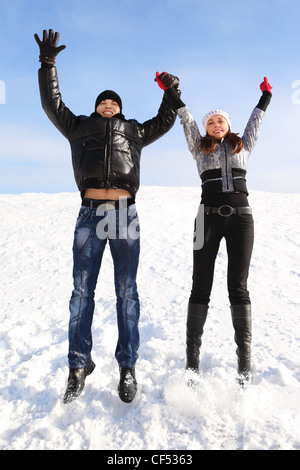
x=231, y=210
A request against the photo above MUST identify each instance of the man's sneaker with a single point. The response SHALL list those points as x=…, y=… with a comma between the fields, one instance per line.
x=76, y=382
x=127, y=386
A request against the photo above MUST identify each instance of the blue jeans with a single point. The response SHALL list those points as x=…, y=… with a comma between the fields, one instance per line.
x=121, y=228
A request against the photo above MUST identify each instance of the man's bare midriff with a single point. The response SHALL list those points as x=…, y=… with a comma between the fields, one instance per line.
x=112, y=194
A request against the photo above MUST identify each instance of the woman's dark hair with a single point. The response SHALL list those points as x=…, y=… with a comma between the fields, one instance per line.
x=209, y=143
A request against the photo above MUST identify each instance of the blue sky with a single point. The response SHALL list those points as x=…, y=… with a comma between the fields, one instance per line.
x=220, y=50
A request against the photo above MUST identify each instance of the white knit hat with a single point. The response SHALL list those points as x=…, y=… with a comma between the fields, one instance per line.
x=216, y=111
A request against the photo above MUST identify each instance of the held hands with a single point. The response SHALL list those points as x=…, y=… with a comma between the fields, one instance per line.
x=48, y=46
x=166, y=80
x=265, y=86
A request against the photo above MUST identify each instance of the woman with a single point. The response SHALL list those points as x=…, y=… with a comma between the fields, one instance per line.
x=221, y=158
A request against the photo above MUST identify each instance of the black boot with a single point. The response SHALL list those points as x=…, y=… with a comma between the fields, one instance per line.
x=196, y=318
x=127, y=386
x=76, y=382
x=241, y=320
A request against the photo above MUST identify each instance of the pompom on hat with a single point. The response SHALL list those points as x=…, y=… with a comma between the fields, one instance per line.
x=212, y=113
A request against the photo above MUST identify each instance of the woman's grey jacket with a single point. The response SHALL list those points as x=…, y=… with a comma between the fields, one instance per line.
x=222, y=170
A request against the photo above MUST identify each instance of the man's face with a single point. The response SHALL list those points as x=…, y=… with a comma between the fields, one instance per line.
x=108, y=108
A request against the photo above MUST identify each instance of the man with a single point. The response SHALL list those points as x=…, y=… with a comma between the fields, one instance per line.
x=106, y=150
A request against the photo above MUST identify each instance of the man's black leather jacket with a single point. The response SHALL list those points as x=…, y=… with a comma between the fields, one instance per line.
x=105, y=151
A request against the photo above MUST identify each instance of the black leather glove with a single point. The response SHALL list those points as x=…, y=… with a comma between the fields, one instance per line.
x=48, y=47
x=174, y=96
x=166, y=80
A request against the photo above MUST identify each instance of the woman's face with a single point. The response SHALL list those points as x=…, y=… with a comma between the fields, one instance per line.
x=217, y=126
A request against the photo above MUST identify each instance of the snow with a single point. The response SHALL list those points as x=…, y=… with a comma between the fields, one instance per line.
x=36, y=281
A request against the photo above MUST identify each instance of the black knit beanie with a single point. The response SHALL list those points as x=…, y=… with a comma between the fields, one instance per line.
x=108, y=95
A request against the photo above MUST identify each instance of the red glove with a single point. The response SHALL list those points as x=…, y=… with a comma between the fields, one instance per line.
x=159, y=82
x=265, y=86
x=166, y=80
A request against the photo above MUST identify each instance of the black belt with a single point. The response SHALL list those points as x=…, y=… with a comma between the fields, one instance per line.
x=108, y=203
x=226, y=210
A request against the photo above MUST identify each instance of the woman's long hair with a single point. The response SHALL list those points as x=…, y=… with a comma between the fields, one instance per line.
x=209, y=143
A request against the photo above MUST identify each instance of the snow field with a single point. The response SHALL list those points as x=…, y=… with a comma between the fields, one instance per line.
x=36, y=281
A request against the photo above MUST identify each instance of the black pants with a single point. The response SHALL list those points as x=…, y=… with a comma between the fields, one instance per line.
x=238, y=231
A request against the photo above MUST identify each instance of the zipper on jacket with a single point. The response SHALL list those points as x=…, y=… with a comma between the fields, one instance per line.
x=226, y=167
x=107, y=154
